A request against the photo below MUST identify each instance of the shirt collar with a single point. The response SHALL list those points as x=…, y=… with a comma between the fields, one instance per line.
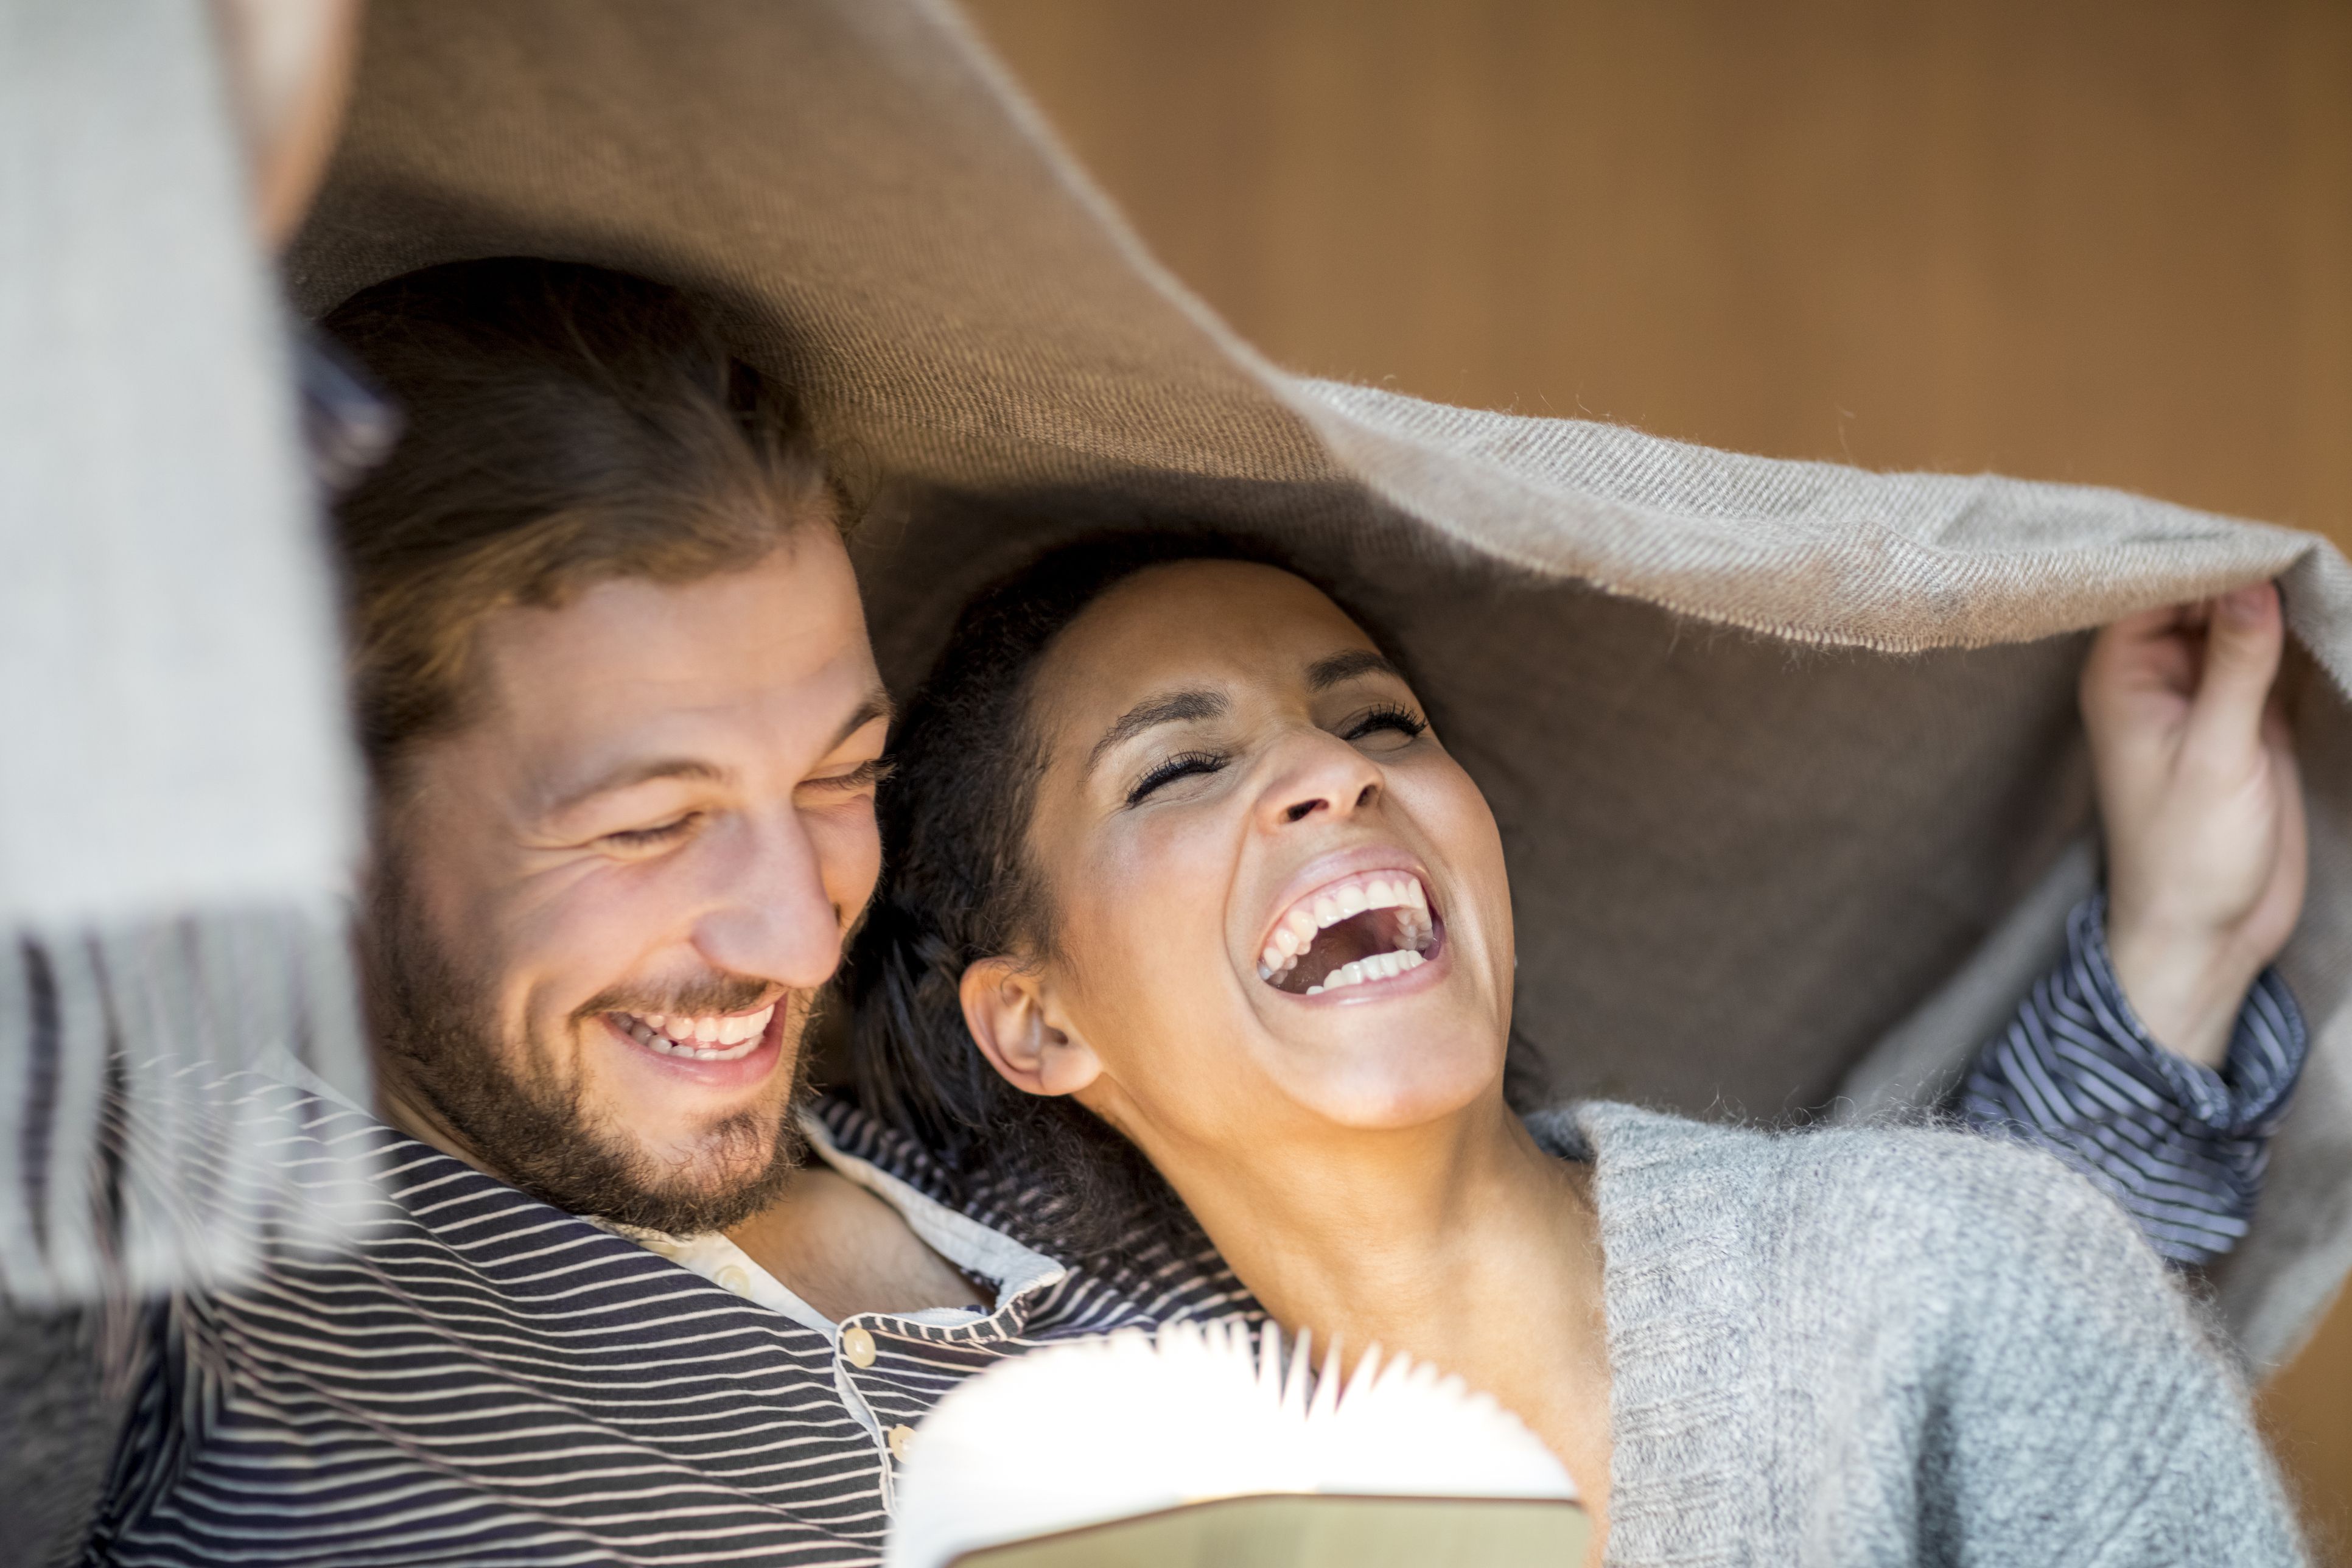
x=1018, y=1272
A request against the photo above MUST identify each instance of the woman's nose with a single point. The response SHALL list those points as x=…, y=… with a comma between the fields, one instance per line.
x=1325, y=777
x=773, y=918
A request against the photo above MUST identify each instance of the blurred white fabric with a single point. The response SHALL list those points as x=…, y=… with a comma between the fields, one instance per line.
x=178, y=813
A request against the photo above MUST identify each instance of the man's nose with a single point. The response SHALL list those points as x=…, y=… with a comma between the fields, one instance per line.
x=1319, y=776
x=773, y=919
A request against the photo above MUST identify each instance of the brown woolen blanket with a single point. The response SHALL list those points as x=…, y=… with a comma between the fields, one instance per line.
x=1785, y=753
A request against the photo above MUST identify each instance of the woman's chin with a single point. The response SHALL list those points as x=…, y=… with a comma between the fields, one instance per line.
x=1370, y=1059
x=1384, y=1086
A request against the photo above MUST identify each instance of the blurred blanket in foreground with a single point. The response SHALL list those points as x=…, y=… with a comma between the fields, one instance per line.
x=177, y=818
x=176, y=813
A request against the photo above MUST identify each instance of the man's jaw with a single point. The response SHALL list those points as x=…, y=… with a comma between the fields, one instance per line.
x=448, y=1074
x=670, y=1143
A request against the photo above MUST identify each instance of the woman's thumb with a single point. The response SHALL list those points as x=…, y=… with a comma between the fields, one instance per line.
x=2244, y=635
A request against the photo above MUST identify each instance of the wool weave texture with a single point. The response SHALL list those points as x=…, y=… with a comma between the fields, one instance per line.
x=1803, y=732
x=1812, y=1333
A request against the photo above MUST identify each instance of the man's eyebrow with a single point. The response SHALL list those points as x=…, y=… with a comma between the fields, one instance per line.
x=876, y=706
x=630, y=774
x=1326, y=673
x=1173, y=708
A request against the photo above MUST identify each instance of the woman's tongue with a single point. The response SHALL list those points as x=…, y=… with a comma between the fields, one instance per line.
x=1376, y=934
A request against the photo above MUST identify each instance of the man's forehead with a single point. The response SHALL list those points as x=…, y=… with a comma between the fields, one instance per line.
x=794, y=612
x=723, y=738
x=772, y=660
x=722, y=748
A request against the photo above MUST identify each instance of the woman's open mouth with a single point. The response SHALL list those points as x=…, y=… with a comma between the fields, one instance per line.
x=1362, y=929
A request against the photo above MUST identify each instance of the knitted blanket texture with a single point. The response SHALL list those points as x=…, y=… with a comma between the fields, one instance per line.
x=1870, y=1346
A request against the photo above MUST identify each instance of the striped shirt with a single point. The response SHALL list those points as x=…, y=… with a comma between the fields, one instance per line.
x=2180, y=1146
x=485, y=1379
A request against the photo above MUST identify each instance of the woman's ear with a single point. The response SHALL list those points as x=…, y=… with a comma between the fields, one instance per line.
x=1004, y=1008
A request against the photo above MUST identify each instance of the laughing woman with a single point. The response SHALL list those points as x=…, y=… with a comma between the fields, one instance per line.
x=1189, y=905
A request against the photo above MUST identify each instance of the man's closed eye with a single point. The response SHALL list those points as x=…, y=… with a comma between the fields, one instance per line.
x=652, y=837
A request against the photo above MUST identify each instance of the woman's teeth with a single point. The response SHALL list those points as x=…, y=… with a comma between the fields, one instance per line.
x=1379, y=966
x=1407, y=931
x=702, y=1039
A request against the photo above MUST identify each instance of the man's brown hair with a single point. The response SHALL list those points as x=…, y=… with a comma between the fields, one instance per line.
x=565, y=424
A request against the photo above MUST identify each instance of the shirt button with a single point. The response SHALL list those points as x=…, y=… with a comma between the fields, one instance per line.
x=733, y=1279
x=857, y=1347
x=899, y=1437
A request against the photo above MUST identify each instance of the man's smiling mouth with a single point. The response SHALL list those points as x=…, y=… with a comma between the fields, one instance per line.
x=1357, y=930
x=714, y=1037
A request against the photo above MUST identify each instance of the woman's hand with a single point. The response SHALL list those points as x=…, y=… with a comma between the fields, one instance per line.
x=2202, y=807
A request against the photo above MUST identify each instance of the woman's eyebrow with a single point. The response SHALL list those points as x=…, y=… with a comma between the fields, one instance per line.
x=1325, y=673
x=1171, y=708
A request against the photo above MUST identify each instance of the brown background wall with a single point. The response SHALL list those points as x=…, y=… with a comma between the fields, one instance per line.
x=2108, y=241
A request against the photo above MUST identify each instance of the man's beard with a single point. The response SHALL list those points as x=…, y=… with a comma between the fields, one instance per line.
x=435, y=1023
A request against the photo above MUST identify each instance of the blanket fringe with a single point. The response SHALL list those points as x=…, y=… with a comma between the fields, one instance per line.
x=149, y=1137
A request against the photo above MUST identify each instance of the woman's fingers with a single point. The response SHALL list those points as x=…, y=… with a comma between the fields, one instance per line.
x=2161, y=622
x=2149, y=655
x=2244, y=637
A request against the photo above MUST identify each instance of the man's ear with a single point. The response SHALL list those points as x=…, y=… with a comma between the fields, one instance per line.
x=1004, y=1008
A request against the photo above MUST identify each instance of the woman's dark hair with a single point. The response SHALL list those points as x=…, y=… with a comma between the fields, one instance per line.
x=563, y=425
x=957, y=886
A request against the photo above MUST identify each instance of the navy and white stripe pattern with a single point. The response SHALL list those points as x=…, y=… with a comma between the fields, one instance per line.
x=485, y=1379
x=2180, y=1146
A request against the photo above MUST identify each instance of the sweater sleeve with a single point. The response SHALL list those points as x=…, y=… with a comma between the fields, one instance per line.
x=2181, y=1147
x=2083, y=1411
x=1871, y=1346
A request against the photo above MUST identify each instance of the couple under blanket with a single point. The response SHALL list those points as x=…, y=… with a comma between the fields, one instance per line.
x=1176, y=962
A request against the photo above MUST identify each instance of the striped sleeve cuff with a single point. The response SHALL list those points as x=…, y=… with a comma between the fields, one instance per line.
x=2181, y=1147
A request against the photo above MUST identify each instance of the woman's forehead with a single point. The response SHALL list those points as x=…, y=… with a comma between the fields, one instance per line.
x=1208, y=612
x=1205, y=626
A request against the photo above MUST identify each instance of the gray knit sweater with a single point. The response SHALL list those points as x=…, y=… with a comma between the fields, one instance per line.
x=1903, y=1346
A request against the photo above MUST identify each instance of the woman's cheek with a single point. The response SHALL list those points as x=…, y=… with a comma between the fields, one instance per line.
x=1164, y=890
x=1469, y=841
x=848, y=847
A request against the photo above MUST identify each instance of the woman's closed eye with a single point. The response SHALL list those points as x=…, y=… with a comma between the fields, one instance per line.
x=1176, y=767
x=867, y=775
x=1390, y=723
x=1391, y=718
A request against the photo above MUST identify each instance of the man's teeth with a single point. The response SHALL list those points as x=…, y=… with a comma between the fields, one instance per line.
x=699, y=1038
x=1295, y=931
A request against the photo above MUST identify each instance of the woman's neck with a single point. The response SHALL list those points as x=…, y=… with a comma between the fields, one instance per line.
x=1462, y=1244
